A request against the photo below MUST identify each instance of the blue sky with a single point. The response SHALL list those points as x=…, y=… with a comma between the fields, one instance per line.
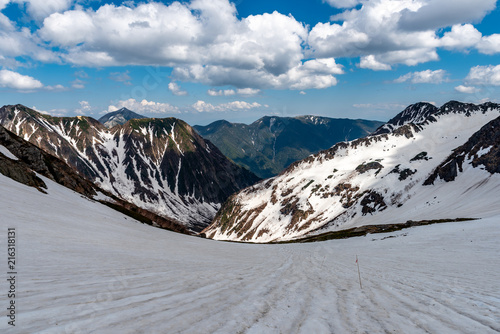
x=204, y=60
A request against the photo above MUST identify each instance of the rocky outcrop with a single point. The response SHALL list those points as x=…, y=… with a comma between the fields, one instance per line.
x=482, y=149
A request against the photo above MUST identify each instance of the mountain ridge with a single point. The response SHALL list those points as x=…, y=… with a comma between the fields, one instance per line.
x=271, y=143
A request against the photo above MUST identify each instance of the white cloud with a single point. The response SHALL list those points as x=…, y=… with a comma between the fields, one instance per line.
x=202, y=106
x=342, y=3
x=312, y=74
x=16, y=42
x=56, y=88
x=40, y=9
x=302, y=93
x=387, y=32
x=371, y=63
x=461, y=36
x=427, y=76
x=176, y=89
x=484, y=76
x=18, y=81
x=204, y=41
x=144, y=107
x=489, y=44
x=85, y=108
x=248, y=91
x=434, y=14
x=464, y=37
x=467, y=89
x=221, y=92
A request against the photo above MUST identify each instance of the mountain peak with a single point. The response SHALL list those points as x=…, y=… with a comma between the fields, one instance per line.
x=119, y=117
x=414, y=113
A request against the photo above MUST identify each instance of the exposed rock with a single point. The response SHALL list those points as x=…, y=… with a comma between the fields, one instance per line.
x=482, y=149
x=361, y=169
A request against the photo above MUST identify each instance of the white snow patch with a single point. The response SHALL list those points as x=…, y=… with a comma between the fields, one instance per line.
x=5, y=151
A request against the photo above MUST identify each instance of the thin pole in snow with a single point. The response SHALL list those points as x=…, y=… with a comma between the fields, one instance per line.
x=359, y=274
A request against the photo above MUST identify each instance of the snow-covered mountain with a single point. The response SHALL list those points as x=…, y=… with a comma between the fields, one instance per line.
x=444, y=166
x=119, y=117
x=27, y=164
x=161, y=165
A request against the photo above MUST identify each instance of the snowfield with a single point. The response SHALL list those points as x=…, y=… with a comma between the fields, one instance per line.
x=84, y=268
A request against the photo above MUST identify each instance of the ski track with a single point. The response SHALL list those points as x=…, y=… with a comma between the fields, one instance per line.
x=89, y=269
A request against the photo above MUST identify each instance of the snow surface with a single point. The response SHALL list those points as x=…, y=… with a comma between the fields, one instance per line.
x=84, y=268
x=5, y=151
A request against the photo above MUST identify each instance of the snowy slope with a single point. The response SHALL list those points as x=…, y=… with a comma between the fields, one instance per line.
x=84, y=268
x=376, y=180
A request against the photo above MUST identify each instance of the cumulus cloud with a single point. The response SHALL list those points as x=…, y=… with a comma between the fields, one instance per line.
x=467, y=89
x=85, y=108
x=176, y=89
x=248, y=91
x=40, y=9
x=371, y=63
x=484, y=76
x=18, y=81
x=461, y=36
x=312, y=74
x=427, y=76
x=387, y=32
x=19, y=41
x=204, y=41
x=202, y=106
x=489, y=44
x=434, y=14
x=145, y=107
x=466, y=36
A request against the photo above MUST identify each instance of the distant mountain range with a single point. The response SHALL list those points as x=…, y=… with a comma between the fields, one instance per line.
x=161, y=165
x=427, y=163
x=270, y=144
x=119, y=117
